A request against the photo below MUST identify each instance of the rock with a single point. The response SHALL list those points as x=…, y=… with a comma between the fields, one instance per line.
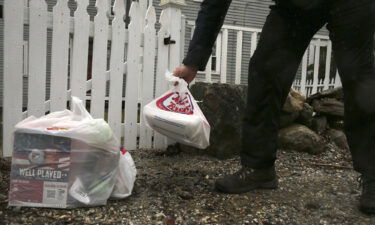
x=185, y=195
x=224, y=107
x=3, y=197
x=336, y=93
x=338, y=137
x=294, y=102
x=173, y=149
x=319, y=124
x=287, y=119
x=301, y=138
x=328, y=106
x=337, y=124
x=306, y=115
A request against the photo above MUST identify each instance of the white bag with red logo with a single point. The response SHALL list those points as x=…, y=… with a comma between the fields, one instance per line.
x=68, y=159
x=176, y=115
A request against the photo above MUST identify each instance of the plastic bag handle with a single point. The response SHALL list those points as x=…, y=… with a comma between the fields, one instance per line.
x=178, y=84
x=79, y=110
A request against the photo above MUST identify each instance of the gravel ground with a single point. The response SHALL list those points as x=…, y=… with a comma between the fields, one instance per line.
x=178, y=189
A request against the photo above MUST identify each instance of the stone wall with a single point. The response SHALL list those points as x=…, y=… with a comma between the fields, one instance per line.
x=306, y=125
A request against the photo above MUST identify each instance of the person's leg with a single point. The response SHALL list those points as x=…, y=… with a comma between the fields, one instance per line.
x=285, y=36
x=351, y=27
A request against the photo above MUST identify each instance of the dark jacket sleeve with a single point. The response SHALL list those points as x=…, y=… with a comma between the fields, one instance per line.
x=208, y=24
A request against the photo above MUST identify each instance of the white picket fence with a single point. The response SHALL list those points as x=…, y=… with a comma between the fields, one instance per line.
x=308, y=82
x=132, y=57
x=317, y=80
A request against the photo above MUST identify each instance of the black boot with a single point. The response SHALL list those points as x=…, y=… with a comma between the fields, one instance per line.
x=247, y=179
x=367, y=200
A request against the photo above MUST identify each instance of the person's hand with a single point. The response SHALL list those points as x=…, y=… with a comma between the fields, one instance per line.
x=187, y=73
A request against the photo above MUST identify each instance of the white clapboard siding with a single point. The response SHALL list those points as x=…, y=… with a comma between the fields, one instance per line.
x=132, y=77
x=37, y=57
x=316, y=66
x=224, y=57
x=117, y=68
x=99, y=60
x=149, y=51
x=59, y=61
x=13, y=44
x=161, y=85
x=238, y=57
x=80, y=50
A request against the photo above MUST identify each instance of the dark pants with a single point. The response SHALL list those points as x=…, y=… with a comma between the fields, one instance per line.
x=285, y=36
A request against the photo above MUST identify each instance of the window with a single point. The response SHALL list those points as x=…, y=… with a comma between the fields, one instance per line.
x=215, y=60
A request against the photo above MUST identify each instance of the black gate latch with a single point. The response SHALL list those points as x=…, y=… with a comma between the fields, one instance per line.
x=168, y=41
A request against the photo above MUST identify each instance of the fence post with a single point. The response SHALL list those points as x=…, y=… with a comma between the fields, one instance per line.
x=169, y=50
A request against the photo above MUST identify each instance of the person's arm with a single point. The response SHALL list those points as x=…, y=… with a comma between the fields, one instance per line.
x=208, y=24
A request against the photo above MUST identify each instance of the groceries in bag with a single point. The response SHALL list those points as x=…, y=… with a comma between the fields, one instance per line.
x=177, y=115
x=66, y=159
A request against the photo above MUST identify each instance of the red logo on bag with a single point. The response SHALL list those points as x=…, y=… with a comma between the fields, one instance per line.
x=174, y=103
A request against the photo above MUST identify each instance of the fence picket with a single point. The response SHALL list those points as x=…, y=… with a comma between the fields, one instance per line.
x=37, y=58
x=224, y=47
x=218, y=52
x=80, y=50
x=117, y=68
x=328, y=65
x=175, y=32
x=316, y=66
x=208, y=70
x=182, y=35
x=59, y=61
x=99, y=60
x=254, y=42
x=162, y=65
x=145, y=137
x=132, y=76
x=238, y=57
x=337, y=80
x=304, y=73
x=13, y=74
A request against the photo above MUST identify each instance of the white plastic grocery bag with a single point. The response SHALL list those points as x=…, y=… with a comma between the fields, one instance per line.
x=66, y=159
x=177, y=115
x=125, y=177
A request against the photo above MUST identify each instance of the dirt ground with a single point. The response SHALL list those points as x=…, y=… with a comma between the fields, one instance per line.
x=178, y=189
